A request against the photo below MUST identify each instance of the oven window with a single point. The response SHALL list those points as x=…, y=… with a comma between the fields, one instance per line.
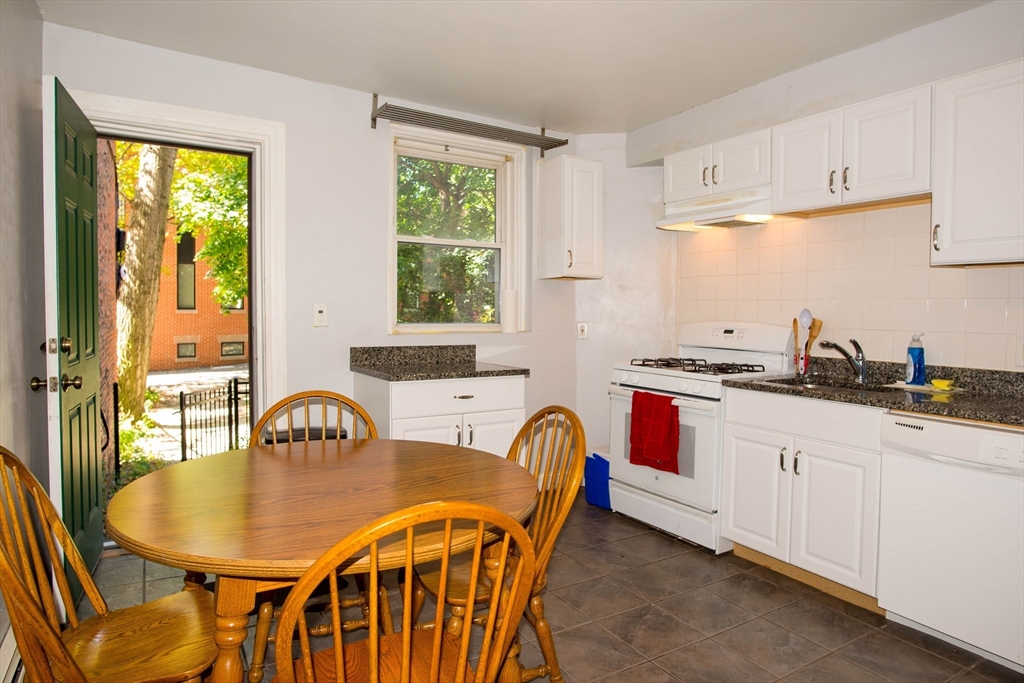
x=687, y=446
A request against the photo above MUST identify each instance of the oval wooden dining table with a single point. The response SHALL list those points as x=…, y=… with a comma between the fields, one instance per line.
x=259, y=517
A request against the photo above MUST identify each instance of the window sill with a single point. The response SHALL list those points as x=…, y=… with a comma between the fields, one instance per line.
x=189, y=311
x=446, y=329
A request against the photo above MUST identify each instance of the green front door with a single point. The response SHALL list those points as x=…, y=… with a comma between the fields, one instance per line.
x=78, y=352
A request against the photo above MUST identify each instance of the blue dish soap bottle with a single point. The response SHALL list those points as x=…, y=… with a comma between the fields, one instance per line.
x=915, y=360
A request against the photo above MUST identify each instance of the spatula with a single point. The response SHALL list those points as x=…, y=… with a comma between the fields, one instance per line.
x=815, y=330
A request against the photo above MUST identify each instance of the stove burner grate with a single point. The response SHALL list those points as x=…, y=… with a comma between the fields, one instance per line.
x=730, y=369
x=684, y=364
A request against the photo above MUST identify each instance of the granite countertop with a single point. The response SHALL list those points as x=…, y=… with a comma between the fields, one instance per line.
x=985, y=396
x=419, y=363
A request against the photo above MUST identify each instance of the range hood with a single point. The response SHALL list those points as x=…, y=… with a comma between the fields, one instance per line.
x=726, y=210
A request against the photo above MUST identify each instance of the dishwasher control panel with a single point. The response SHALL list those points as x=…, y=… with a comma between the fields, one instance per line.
x=997, y=448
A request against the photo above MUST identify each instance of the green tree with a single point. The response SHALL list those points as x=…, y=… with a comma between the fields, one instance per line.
x=444, y=283
x=210, y=199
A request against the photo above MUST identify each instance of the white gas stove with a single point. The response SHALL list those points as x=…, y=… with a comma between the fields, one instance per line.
x=686, y=504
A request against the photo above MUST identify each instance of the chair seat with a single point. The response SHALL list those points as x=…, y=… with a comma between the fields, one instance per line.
x=429, y=575
x=123, y=646
x=357, y=661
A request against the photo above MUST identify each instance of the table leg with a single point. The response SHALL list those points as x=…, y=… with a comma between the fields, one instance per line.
x=234, y=599
x=194, y=581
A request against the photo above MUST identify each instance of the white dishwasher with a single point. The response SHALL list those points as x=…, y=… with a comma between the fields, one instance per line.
x=951, y=548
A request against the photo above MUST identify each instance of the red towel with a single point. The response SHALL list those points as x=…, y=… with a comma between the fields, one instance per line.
x=654, y=432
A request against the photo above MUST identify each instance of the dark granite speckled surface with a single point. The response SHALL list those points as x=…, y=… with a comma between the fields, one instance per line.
x=418, y=363
x=987, y=395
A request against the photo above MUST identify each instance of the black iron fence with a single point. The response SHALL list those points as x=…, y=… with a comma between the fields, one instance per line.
x=214, y=420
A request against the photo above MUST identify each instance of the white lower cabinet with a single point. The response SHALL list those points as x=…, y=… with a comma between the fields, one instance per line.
x=490, y=431
x=804, y=501
x=483, y=413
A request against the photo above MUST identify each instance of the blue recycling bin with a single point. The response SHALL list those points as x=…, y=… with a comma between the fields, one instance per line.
x=596, y=476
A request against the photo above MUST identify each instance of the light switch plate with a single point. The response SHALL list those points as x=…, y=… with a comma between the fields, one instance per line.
x=319, y=315
x=582, y=330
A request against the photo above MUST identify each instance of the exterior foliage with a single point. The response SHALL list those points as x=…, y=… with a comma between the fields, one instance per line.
x=448, y=266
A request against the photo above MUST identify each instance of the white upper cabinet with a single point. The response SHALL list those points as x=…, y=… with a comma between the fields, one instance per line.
x=977, y=211
x=570, y=218
x=869, y=151
x=734, y=164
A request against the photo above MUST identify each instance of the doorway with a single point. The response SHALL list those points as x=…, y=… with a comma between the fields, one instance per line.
x=264, y=141
x=175, y=310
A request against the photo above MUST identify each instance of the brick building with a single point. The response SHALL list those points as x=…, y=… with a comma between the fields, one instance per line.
x=191, y=329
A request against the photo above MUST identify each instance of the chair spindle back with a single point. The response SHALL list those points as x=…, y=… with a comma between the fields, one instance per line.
x=313, y=416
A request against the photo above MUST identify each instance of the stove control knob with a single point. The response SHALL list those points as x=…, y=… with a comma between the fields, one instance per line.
x=697, y=388
x=635, y=378
x=624, y=378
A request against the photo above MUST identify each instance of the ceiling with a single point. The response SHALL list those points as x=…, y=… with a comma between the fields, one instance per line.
x=571, y=66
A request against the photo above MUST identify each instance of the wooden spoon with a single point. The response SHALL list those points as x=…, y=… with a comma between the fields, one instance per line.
x=796, y=349
x=815, y=329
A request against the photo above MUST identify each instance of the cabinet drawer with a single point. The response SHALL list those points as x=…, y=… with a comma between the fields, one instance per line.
x=456, y=396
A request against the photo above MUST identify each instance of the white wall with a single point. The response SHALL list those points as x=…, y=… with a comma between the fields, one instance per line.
x=864, y=275
x=337, y=178
x=22, y=412
x=631, y=311
x=990, y=34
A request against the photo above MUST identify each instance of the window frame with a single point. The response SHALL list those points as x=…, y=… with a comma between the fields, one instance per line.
x=232, y=355
x=510, y=216
x=195, y=350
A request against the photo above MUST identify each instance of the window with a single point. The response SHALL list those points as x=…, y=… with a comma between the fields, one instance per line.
x=186, y=272
x=187, y=350
x=237, y=307
x=232, y=348
x=457, y=230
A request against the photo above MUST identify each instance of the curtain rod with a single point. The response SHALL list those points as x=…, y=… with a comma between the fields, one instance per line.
x=481, y=130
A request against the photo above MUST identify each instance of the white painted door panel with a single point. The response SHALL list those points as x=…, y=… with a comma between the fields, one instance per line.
x=742, y=162
x=806, y=157
x=688, y=174
x=437, y=429
x=977, y=212
x=756, y=490
x=492, y=432
x=835, y=513
x=584, y=216
x=887, y=146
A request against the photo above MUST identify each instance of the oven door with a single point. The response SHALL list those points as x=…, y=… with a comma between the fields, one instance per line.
x=699, y=446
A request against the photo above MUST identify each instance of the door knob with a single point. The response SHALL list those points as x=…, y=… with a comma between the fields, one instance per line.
x=37, y=384
x=65, y=344
x=66, y=382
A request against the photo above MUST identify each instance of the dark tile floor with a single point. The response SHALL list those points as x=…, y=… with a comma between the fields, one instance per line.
x=630, y=604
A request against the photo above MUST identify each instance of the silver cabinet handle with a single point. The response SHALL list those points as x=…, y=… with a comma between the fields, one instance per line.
x=796, y=463
x=782, y=459
x=463, y=397
x=470, y=442
x=846, y=178
x=570, y=258
x=935, y=237
x=704, y=176
x=832, y=182
x=458, y=435
x=714, y=174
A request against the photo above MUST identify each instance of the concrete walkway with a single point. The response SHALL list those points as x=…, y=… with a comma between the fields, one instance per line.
x=166, y=443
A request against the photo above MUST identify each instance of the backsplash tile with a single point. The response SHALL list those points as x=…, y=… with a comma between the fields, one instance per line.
x=865, y=275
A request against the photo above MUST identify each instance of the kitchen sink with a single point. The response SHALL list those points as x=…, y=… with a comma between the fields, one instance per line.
x=831, y=385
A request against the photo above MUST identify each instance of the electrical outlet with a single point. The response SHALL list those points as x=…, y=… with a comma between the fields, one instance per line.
x=319, y=315
x=581, y=330
x=1018, y=358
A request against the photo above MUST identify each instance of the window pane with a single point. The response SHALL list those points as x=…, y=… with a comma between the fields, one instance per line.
x=186, y=286
x=232, y=348
x=445, y=200
x=447, y=284
x=186, y=350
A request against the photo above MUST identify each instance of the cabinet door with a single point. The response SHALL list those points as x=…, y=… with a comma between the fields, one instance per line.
x=688, y=174
x=584, y=217
x=492, y=432
x=887, y=146
x=977, y=213
x=756, y=485
x=806, y=157
x=835, y=513
x=741, y=162
x=437, y=429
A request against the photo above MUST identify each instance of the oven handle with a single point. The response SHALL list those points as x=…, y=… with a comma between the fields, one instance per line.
x=687, y=403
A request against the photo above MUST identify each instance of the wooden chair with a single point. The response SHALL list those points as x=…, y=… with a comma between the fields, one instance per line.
x=317, y=415
x=552, y=446
x=312, y=416
x=413, y=654
x=167, y=640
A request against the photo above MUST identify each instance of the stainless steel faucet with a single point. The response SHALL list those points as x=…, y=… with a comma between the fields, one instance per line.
x=856, y=361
